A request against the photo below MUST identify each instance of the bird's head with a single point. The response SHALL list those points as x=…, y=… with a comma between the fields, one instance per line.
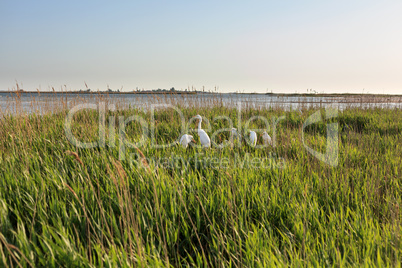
x=191, y=140
x=197, y=118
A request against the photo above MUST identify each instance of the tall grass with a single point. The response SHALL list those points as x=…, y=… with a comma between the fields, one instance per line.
x=66, y=206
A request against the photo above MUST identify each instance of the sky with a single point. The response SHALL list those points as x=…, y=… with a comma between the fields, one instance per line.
x=289, y=46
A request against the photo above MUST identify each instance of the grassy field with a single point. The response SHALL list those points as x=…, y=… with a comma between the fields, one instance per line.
x=234, y=206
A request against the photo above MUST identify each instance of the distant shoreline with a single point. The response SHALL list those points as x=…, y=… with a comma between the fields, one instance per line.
x=200, y=92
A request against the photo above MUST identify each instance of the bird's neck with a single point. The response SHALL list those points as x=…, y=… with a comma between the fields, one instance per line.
x=199, y=124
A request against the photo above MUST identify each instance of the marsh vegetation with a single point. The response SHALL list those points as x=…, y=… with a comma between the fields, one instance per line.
x=61, y=205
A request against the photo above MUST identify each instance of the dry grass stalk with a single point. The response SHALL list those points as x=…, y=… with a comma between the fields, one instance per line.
x=76, y=157
x=71, y=190
x=143, y=159
x=120, y=169
x=111, y=174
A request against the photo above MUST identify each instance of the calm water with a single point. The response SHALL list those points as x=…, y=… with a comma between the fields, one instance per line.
x=40, y=102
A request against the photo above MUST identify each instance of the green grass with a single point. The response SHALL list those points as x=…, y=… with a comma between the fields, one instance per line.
x=108, y=212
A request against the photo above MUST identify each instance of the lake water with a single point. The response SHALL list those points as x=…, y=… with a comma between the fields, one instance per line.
x=34, y=102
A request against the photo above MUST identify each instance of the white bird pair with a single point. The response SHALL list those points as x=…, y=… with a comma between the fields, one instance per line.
x=253, y=137
x=204, y=138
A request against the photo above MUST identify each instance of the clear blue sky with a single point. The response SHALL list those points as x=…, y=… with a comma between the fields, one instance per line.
x=250, y=46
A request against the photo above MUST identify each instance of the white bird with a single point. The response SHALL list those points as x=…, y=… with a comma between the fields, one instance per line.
x=235, y=134
x=204, y=138
x=186, y=139
x=266, y=138
x=253, y=138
